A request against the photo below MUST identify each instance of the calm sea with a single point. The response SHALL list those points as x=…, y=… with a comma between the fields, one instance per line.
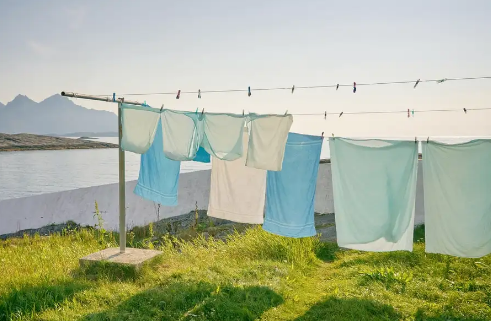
x=37, y=172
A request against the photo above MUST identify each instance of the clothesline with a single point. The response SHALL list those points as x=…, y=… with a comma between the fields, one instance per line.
x=249, y=90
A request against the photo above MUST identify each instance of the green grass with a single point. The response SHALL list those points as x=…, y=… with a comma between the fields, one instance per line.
x=252, y=276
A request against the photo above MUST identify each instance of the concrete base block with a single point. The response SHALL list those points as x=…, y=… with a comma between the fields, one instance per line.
x=132, y=257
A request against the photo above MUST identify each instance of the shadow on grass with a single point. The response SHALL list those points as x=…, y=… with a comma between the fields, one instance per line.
x=31, y=299
x=445, y=316
x=194, y=301
x=326, y=251
x=350, y=310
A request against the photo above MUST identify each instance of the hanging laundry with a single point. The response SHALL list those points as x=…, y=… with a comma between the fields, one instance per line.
x=223, y=135
x=374, y=187
x=182, y=133
x=202, y=156
x=457, y=198
x=290, y=192
x=139, y=125
x=268, y=139
x=159, y=176
x=237, y=192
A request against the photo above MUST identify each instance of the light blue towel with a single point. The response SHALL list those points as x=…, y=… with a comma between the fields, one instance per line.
x=374, y=188
x=457, y=189
x=202, y=156
x=290, y=192
x=159, y=176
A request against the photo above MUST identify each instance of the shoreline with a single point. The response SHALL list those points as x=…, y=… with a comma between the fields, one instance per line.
x=31, y=142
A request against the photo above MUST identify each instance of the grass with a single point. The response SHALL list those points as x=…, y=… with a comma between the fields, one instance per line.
x=253, y=275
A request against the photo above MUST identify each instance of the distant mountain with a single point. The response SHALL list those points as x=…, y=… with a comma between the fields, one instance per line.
x=1, y=105
x=55, y=115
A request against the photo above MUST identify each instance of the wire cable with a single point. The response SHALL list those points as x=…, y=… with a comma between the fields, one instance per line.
x=304, y=87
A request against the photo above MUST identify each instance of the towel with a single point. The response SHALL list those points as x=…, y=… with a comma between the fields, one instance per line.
x=290, y=192
x=159, y=176
x=223, y=135
x=237, y=192
x=182, y=133
x=457, y=198
x=374, y=187
x=139, y=125
x=268, y=139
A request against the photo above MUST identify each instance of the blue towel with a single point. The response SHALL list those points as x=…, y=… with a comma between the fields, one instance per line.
x=290, y=192
x=202, y=156
x=159, y=176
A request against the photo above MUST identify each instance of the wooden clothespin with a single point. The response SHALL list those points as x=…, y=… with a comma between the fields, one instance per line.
x=408, y=113
x=341, y=114
x=417, y=82
x=178, y=94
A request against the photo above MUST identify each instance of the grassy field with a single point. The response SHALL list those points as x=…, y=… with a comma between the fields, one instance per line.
x=251, y=276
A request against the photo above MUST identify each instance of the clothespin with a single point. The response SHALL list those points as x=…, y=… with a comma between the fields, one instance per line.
x=417, y=82
x=465, y=110
x=202, y=112
x=144, y=103
x=332, y=135
x=415, y=140
x=341, y=114
x=161, y=107
x=354, y=87
x=325, y=115
x=322, y=135
x=337, y=86
x=441, y=80
x=412, y=112
x=199, y=93
x=428, y=140
x=293, y=89
x=249, y=91
x=286, y=112
x=408, y=113
x=178, y=94
x=114, y=97
x=242, y=112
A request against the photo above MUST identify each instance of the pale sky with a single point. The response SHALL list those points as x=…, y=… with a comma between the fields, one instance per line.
x=101, y=47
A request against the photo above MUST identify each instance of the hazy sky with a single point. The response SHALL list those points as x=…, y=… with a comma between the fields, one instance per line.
x=101, y=47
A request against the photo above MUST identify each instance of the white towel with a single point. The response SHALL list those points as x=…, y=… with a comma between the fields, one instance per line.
x=237, y=192
x=268, y=140
x=139, y=125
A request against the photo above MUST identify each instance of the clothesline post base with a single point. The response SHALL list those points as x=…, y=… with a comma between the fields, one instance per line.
x=133, y=258
x=122, y=189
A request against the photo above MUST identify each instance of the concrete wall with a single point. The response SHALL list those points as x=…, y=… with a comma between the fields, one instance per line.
x=194, y=188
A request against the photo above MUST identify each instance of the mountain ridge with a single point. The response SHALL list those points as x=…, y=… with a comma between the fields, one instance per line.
x=54, y=115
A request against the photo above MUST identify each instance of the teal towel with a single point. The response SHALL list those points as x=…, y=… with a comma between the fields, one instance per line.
x=374, y=187
x=457, y=190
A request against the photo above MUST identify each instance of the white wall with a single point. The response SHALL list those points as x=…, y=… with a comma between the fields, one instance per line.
x=78, y=205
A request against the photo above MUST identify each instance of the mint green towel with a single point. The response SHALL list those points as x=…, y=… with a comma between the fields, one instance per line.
x=374, y=187
x=457, y=190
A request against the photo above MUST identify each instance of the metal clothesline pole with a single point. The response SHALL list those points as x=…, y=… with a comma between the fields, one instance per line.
x=121, y=161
